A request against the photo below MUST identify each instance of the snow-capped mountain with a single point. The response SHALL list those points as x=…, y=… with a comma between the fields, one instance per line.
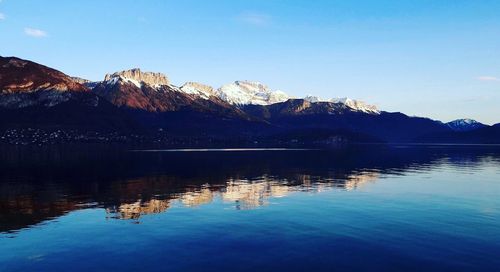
x=250, y=93
x=355, y=105
x=159, y=82
x=152, y=92
x=239, y=93
x=128, y=90
x=255, y=93
x=313, y=98
x=465, y=125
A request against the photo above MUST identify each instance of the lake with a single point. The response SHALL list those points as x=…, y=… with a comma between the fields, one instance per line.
x=363, y=208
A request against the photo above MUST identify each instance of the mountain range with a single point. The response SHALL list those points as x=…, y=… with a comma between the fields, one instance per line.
x=37, y=101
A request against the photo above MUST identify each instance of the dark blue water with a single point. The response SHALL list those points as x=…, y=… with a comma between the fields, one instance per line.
x=359, y=209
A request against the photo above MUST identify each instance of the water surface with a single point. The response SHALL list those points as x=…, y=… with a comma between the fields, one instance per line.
x=368, y=208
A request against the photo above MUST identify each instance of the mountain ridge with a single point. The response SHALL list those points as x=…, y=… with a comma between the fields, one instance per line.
x=145, y=103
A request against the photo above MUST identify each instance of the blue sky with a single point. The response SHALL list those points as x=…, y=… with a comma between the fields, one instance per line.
x=439, y=59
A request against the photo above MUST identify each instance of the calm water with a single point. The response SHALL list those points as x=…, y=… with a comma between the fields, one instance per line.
x=358, y=209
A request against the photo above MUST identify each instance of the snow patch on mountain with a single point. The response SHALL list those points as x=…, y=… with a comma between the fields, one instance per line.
x=121, y=80
x=197, y=89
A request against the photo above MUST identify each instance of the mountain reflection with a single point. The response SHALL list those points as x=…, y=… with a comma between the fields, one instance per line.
x=138, y=208
x=40, y=185
x=244, y=193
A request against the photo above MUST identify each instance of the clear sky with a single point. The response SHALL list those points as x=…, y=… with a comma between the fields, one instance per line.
x=439, y=59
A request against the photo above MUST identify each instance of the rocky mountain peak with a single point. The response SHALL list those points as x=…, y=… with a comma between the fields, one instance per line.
x=136, y=74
